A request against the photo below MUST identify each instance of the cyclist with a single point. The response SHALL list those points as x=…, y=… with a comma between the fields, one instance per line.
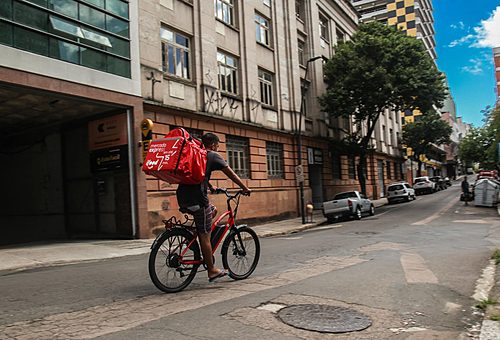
x=194, y=198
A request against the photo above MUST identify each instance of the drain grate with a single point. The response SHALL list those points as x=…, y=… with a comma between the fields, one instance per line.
x=324, y=318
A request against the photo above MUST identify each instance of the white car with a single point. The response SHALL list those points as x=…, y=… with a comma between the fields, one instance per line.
x=401, y=191
x=424, y=184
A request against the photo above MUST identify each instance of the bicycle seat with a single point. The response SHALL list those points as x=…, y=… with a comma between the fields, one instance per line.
x=190, y=210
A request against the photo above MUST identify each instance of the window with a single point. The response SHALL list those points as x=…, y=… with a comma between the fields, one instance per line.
x=175, y=53
x=262, y=28
x=336, y=166
x=299, y=9
x=196, y=133
x=266, y=87
x=237, y=155
x=323, y=27
x=340, y=35
x=384, y=134
x=351, y=164
x=224, y=11
x=396, y=167
x=301, y=47
x=391, y=137
x=228, y=71
x=388, y=166
x=274, y=152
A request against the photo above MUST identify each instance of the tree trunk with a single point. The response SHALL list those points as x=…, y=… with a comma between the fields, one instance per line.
x=361, y=171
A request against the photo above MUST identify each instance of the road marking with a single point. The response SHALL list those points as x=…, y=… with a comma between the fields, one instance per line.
x=126, y=314
x=435, y=215
x=327, y=227
x=471, y=221
x=415, y=269
x=290, y=238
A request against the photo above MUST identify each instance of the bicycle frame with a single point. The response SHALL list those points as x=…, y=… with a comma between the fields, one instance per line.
x=231, y=214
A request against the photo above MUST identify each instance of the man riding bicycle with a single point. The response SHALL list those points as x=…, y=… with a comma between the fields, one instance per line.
x=194, y=198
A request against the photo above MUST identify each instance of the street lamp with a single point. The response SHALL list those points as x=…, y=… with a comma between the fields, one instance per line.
x=299, y=169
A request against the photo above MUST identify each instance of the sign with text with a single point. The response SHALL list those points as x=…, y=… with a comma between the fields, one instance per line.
x=314, y=156
x=299, y=173
x=108, y=132
x=109, y=159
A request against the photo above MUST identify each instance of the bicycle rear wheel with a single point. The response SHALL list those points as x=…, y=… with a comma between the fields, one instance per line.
x=165, y=269
x=241, y=252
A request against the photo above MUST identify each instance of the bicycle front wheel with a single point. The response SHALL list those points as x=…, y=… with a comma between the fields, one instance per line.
x=241, y=252
x=165, y=268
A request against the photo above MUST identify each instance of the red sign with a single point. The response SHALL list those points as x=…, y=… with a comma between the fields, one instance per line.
x=108, y=132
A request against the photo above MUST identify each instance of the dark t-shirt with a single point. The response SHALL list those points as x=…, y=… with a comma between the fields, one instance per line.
x=197, y=194
x=465, y=186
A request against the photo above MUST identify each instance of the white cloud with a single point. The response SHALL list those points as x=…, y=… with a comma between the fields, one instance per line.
x=460, y=25
x=488, y=33
x=475, y=67
x=461, y=41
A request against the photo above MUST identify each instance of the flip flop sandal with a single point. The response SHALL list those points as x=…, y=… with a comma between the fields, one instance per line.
x=222, y=273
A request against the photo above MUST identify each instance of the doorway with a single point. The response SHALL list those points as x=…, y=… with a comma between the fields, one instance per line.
x=316, y=184
x=381, y=181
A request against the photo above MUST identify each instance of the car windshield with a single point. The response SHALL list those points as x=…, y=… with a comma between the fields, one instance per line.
x=418, y=180
x=343, y=195
x=395, y=187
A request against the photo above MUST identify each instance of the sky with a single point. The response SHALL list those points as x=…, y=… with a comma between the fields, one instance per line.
x=466, y=32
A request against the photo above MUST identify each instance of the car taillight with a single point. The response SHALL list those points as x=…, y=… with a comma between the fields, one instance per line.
x=349, y=203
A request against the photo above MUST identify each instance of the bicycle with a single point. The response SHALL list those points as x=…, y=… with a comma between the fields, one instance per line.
x=175, y=253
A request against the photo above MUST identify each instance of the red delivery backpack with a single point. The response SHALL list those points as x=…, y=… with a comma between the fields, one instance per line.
x=177, y=158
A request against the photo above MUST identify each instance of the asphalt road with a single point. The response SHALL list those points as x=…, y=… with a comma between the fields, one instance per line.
x=412, y=268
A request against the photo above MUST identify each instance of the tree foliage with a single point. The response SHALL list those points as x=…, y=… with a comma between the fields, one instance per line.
x=380, y=68
x=423, y=133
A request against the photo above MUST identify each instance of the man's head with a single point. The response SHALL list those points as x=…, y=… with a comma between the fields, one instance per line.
x=465, y=178
x=210, y=141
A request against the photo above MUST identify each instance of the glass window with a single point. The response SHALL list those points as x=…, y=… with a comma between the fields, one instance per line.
x=323, y=27
x=93, y=59
x=66, y=7
x=42, y=3
x=274, y=155
x=31, y=41
x=299, y=9
x=67, y=27
x=228, y=73
x=175, y=53
x=92, y=16
x=96, y=37
x=99, y=3
x=301, y=47
x=119, y=46
x=224, y=11
x=238, y=155
x=30, y=16
x=340, y=36
x=351, y=164
x=5, y=33
x=118, y=66
x=117, y=7
x=262, y=29
x=116, y=25
x=64, y=51
x=337, y=166
x=266, y=87
x=388, y=167
x=6, y=9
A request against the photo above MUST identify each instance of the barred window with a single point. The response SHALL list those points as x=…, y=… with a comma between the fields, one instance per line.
x=238, y=155
x=175, y=53
x=337, y=166
x=228, y=72
x=262, y=30
x=351, y=166
x=388, y=166
x=224, y=11
x=396, y=167
x=274, y=152
x=266, y=87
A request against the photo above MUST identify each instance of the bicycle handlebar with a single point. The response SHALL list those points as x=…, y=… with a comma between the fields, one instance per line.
x=228, y=195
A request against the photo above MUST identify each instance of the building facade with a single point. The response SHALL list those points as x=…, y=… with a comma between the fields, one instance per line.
x=71, y=107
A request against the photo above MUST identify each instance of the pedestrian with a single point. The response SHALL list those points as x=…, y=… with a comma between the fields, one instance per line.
x=465, y=190
x=195, y=199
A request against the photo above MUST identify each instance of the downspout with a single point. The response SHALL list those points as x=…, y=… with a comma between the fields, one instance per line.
x=132, y=176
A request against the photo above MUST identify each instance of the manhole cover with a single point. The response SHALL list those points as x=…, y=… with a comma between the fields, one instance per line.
x=324, y=318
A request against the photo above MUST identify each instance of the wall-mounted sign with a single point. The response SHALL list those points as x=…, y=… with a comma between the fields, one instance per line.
x=108, y=132
x=314, y=156
x=109, y=159
x=147, y=136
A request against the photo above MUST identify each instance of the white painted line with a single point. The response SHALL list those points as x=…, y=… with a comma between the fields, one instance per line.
x=327, y=227
x=415, y=269
x=290, y=238
x=435, y=215
x=472, y=221
x=272, y=307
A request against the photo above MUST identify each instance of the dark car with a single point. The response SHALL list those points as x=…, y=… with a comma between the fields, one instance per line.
x=440, y=183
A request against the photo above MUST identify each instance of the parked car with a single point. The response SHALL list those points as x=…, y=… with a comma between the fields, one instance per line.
x=400, y=192
x=440, y=184
x=424, y=184
x=348, y=204
x=447, y=181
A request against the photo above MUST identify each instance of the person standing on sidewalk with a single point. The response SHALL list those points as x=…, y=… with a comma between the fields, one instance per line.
x=195, y=199
x=465, y=190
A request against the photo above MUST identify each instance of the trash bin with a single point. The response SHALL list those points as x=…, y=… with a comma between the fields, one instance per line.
x=486, y=192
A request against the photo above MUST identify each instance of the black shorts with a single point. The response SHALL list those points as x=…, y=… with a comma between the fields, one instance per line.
x=203, y=219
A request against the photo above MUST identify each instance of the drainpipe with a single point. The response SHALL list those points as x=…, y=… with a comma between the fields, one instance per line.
x=131, y=172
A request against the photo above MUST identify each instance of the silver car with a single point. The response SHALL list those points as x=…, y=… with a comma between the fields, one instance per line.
x=424, y=184
x=400, y=192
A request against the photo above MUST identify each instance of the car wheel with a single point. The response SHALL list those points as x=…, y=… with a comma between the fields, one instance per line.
x=408, y=198
x=372, y=210
x=358, y=214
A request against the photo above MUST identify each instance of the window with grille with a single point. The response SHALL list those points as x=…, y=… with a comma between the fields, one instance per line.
x=175, y=53
x=274, y=153
x=396, y=168
x=238, y=155
x=337, y=166
x=262, y=30
x=388, y=166
x=228, y=73
x=224, y=11
x=266, y=87
x=351, y=163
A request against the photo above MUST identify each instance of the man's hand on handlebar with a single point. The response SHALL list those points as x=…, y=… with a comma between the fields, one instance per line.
x=246, y=192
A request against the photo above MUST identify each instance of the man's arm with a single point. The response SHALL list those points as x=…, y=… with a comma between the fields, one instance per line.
x=236, y=179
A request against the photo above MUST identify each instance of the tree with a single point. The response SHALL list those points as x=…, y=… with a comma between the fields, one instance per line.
x=379, y=69
x=480, y=146
x=422, y=134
